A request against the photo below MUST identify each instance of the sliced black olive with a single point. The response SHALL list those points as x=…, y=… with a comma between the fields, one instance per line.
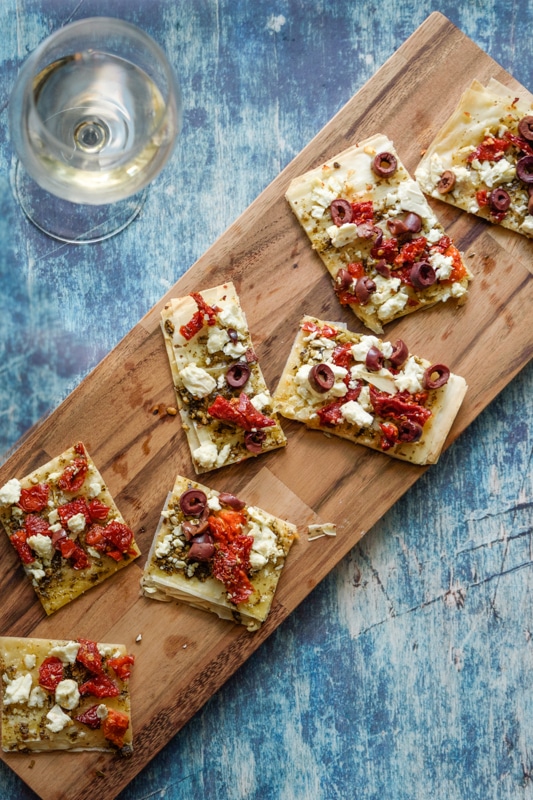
x=409, y=430
x=321, y=378
x=413, y=222
x=447, y=182
x=230, y=500
x=524, y=169
x=442, y=374
x=233, y=335
x=202, y=548
x=397, y=226
x=399, y=354
x=237, y=375
x=343, y=279
x=382, y=268
x=193, y=502
x=384, y=165
x=499, y=199
x=525, y=128
x=341, y=212
x=364, y=287
x=374, y=359
x=422, y=275
x=253, y=441
x=192, y=527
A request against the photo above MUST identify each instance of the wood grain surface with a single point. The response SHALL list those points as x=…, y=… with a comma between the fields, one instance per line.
x=118, y=411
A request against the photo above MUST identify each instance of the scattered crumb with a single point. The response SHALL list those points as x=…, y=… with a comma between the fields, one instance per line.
x=31, y=764
x=423, y=152
x=139, y=637
x=322, y=529
x=171, y=411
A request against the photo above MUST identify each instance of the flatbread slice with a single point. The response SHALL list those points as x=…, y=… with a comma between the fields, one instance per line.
x=65, y=527
x=482, y=158
x=232, y=567
x=65, y=695
x=223, y=399
x=369, y=391
x=380, y=241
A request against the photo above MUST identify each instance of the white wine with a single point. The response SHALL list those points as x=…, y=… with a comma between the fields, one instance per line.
x=98, y=130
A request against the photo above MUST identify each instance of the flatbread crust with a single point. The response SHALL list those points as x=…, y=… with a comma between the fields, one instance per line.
x=39, y=720
x=349, y=176
x=483, y=112
x=210, y=353
x=58, y=579
x=170, y=575
x=359, y=422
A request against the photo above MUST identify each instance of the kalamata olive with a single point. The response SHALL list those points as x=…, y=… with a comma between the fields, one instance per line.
x=525, y=128
x=321, y=378
x=193, y=502
x=384, y=165
x=530, y=200
x=447, y=182
x=422, y=275
x=524, y=169
x=442, y=374
x=367, y=230
x=202, y=548
x=399, y=354
x=230, y=500
x=397, y=226
x=253, y=441
x=237, y=375
x=250, y=356
x=341, y=212
x=382, y=268
x=409, y=430
x=192, y=527
x=499, y=199
x=343, y=279
x=413, y=222
x=233, y=335
x=374, y=359
x=364, y=287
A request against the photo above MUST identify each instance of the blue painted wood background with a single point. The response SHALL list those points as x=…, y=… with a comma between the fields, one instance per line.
x=408, y=673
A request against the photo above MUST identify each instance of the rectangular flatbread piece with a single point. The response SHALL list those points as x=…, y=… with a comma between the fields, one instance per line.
x=65, y=695
x=379, y=239
x=223, y=399
x=231, y=568
x=482, y=158
x=65, y=527
x=369, y=391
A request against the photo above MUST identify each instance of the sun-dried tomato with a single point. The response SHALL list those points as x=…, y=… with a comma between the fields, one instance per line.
x=119, y=536
x=72, y=477
x=89, y=656
x=90, y=717
x=387, y=249
x=231, y=562
x=35, y=525
x=458, y=270
x=402, y=405
x=205, y=315
x=72, y=551
x=342, y=355
x=115, y=725
x=519, y=142
x=322, y=330
x=121, y=665
x=98, y=511
x=490, y=149
x=240, y=412
x=390, y=435
x=34, y=498
x=411, y=252
x=331, y=414
x=18, y=540
x=69, y=510
x=100, y=686
x=362, y=212
x=50, y=673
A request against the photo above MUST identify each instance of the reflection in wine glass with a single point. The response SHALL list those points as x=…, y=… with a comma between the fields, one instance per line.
x=94, y=116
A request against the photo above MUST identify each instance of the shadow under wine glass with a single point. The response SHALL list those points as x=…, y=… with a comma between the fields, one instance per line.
x=94, y=115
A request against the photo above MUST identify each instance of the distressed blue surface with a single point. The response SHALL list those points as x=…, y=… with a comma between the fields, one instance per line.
x=407, y=673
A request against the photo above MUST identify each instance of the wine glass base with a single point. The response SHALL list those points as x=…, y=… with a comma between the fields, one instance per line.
x=73, y=223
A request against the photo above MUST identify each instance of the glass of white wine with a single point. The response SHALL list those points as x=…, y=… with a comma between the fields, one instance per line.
x=94, y=116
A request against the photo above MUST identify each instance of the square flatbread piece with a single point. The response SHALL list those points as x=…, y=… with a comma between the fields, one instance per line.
x=232, y=568
x=65, y=527
x=380, y=241
x=65, y=695
x=482, y=158
x=224, y=402
x=368, y=391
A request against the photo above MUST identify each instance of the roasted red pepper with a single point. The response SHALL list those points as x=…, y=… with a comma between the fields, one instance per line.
x=240, y=412
x=231, y=562
x=100, y=686
x=122, y=666
x=115, y=725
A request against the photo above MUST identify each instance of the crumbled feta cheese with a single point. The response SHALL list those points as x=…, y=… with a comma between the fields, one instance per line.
x=94, y=488
x=101, y=709
x=360, y=350
x=527, y=224
x=385, y=289
x=443, y=265
x=259, y=401
x=36, y=572
x=410, y=198
x=57, y=719
x=10, y=492
x=216, y=338
x=164, y=547
x=213, y=503
x=67, y=694
x=30, y=659
x=494, y=174
x=66, y=652
x=17, y=690
x=76, y=524
x=434, y=235
x=355, y=414
x=393, y=305
x=265, y=546
x=306, y=391
x=342, y=235
x=37, y=697
x=234, y=349
x=231, y=316
x=364, y=398
x=206, y=455
x=197, y=381
x=42, y=545
x=53, y=516
x=410, y=377
x=223, y=455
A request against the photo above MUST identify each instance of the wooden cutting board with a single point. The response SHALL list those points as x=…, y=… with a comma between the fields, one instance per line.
x=119, y=412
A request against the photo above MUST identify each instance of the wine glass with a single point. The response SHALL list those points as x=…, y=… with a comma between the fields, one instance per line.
x=94, y=115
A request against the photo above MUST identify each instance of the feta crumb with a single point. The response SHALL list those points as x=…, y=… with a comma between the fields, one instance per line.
x=57, y=719
x=42, y=545
x=410, y=377
x=53, y=517
x=213, y=503
x=443, y=265
x=10, y=492
x=355, y=414
x=216, y=338
x=66, y=652
x=37, y=698
x=259, y=401
x=67, y=694
x=94, y=489
x=206, y=455
x=30, y=659
x=197, y=381
x=76, y=524
x=342, y=235
x=17, y=690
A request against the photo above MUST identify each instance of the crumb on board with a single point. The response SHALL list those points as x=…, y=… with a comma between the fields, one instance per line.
x=317, y=531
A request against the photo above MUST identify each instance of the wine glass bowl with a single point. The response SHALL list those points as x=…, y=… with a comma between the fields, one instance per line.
x=94, y=116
